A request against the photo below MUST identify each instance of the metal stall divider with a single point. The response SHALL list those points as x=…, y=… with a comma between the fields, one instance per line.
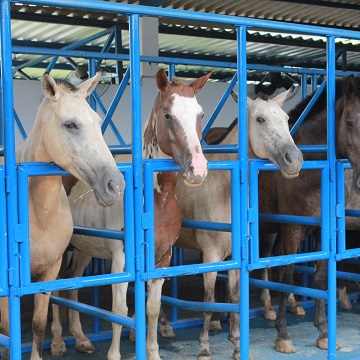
x=20, y=283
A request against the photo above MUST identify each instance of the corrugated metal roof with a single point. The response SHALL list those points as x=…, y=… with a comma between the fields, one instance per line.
x=187, y=39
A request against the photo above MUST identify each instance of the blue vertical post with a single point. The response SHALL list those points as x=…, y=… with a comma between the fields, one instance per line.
x=11, y=181
x=331, y=131
x=303, y=86
x=95, y=262
x=140, y=319
x=244, y=186
x=171, y=71
x=176, y=251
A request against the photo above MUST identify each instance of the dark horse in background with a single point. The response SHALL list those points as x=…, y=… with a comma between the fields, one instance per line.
x=302, y=195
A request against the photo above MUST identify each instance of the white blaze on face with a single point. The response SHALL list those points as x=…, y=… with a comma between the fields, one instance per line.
x=186, y=110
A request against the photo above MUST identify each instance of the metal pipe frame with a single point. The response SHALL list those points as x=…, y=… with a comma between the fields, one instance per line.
x=244, y=186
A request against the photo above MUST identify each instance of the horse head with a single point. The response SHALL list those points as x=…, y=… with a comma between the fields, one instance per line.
x=269, y=135
x=71, y=137
x=348, y=115
x=174, y=128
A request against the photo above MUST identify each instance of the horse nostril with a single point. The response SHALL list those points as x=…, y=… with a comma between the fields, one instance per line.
x=288, y=158
x=113, y=188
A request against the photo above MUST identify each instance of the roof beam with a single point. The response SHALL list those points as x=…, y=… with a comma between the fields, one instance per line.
x=153, y=2
x=324, y=3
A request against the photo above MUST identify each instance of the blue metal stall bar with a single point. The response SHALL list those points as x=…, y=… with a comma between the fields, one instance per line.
x=4, y=284
x=22, y=234
x=10, y=193
x=242, y=110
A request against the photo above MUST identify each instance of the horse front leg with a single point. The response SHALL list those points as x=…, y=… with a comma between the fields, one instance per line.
x=4, y=323
x=119, y=305
x=41, y=307
x=166, y=329
x=78, y=264
x=234, y=298
x=283, y=342
x=154, y=288
x=267, y=242
x=209, y=296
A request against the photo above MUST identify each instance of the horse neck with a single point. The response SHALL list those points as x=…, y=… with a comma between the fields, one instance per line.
x=33, y=150
x=152, y=150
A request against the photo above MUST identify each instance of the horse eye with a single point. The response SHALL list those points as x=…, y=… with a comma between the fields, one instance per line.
x=349, y=123
x=167, y=116
x=260, y=120
x=70, y=125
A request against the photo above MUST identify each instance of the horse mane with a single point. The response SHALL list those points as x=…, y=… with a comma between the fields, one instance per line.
x=66, y=84
x=320, y=104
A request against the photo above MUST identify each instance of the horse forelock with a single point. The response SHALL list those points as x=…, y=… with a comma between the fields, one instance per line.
x=262, y=96
x=178, y=87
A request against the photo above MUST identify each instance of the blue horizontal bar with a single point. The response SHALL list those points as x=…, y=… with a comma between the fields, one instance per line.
x=348, y=254
x=354, y=213
x=290, y=219
x=289, y=288
x=200, y=306
x=94, y=311
x=206, y=225
x=100, y=232
x=4, y=341
x=339, y=274
x=196, y=16
x=74, y=283
x=215, y=149
x=268, y=262
x=192, y=269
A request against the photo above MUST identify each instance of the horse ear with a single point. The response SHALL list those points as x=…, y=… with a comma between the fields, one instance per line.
x=88, y=86
x=280, y=99
x=234, y=95
x=200, y=82
x=236, y=98
x=162, y=80
x=350, y=86
x=49, y=87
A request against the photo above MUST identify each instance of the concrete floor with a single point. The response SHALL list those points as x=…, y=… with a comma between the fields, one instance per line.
x=262, y=336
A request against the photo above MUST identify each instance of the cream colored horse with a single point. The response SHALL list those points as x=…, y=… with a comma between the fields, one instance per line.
x=269, y=137
x=68, y=132
x=172, y=130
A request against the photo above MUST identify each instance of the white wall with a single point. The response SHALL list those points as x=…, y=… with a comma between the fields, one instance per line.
x=28, y=96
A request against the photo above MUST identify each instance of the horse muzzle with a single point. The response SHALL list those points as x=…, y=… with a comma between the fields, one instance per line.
x=195, y=173
x=291, y=163
x=110, y=193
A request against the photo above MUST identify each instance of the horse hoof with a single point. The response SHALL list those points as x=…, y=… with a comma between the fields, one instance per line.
x=167, y=331
x=284, y=346
x=298, y=310
x=323, y=344
x=153, y=356
x=58, y=349
x=85, y=347
x=236, y=355
x=345, y=305
x=270, y=315
x=215, y=326
x=204, y=356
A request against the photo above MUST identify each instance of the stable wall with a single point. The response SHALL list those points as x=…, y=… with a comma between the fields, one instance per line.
x=28, y=96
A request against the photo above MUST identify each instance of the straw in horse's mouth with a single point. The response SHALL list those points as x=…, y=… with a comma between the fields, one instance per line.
x=81, y=196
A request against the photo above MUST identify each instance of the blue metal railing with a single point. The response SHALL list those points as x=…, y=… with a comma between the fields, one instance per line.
x=137, y=269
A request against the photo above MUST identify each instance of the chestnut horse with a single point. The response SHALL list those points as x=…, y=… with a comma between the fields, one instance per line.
x=172, y=131
x=302, y=196
x=68, y=132
x=269, y=137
